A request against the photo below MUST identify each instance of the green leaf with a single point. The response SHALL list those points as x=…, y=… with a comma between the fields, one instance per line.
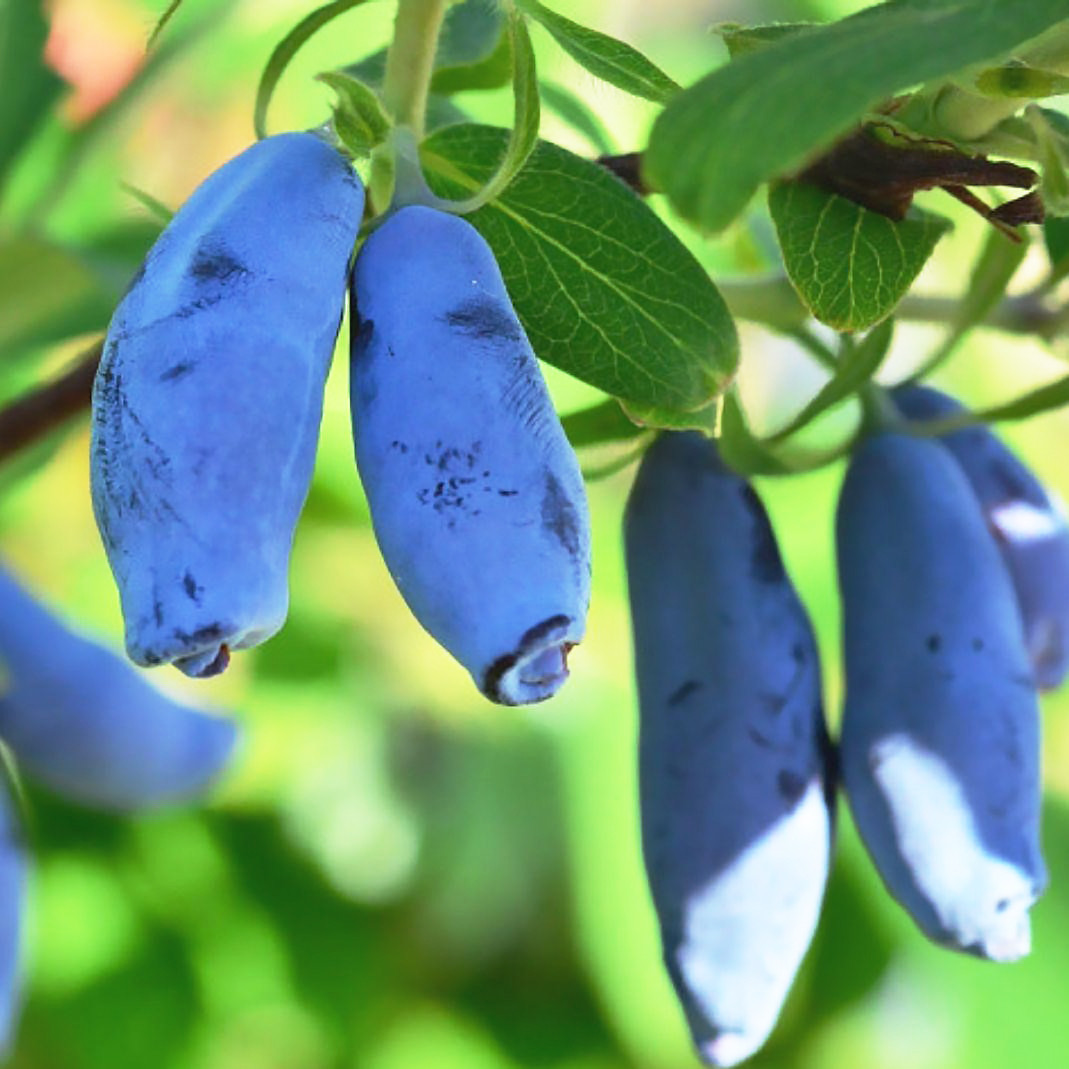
x=605, y=57
x=1056, y=237
x=741, y=40
x=857, y=366
x=850, y=266
x=359, y=117
x=29, y=87
x=284, y=52
x=603, y=422
x=762, y=115
x=604, y=289
x=1018, y=80
x=1051, y=130
x=472, y=51
x=46, y=293
x=573, y=110
x=490, y=72
x=526, y=118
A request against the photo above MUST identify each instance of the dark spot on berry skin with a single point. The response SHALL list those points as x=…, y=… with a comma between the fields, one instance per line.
x=759, y=738
x=178, y=371
x=189, y=584
x=977, y=644
x=507, y=493
x=798, y=653
x=766, y=565
x=497, y=671
x=216, y=264
x=157, y=612
x=683, y=692
x=933, y=643
x=790, y=784
x=558, y=515
x=484, y=319
x=399, y=446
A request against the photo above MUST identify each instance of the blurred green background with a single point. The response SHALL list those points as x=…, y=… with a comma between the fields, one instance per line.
x=396, y=874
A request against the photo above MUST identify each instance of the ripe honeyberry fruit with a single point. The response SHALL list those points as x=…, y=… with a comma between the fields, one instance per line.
x=733, y=753
x=83, y=722
x=475, y=494
x=940, y=733
x=12, y=890
x=1029, y=528
x=207, y=403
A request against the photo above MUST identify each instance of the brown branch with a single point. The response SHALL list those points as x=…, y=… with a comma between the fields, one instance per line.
x=628, y=168
x=31, y=416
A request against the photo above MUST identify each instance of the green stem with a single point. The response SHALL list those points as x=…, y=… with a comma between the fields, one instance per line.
x=410, y=62
x=406, y=83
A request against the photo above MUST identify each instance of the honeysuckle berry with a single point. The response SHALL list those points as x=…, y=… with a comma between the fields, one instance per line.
x=1028, y=524
x=475, y=494
x=734, y=761
x=940, y=731
x=207, y=403
x=84, y=722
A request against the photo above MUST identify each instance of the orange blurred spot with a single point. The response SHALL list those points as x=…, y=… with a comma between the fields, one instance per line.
x=97, y=46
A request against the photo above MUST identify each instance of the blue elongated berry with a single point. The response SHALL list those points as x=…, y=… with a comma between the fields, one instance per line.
x=1029, y=527
x=207, y=404
x=13, y=867
x=734, y=766
x=82, y=721
x=475, y=494
x=940, y=732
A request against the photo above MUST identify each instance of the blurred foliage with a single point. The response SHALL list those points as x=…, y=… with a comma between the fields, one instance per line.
x=397, y=875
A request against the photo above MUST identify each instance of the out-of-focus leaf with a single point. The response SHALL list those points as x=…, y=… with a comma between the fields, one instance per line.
x=850, y=266
x=573, y=110
x=473, y=51
x=46, y=293
x=740, y=40
x=760, y=116
x=604, y=289
x=1056, y=237
x=991, y=275
x=29, y=87
x=1051, y=130
x=603, y=422
x=613, y=61
x=1020, y=81
x=857, y=366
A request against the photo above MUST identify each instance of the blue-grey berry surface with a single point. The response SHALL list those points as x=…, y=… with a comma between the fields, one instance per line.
x=85, y=723
x=734, y=761
x=1028, y=524
x=207, y=403
x=940, y=729
x=475, y=494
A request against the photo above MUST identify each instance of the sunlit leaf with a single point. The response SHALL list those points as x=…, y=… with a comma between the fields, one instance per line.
x=605, y=290
x=850, y=266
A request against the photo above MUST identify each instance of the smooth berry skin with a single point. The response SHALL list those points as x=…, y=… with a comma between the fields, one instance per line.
x=734, y=759
x=940, y=730
x=1029, y=528
x=475, y=494
x=207, y=403
x=83, y=722
x=13, y=870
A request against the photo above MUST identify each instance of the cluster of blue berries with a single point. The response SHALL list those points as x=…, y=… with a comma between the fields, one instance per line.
x=206, y=413
x=954, y=578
